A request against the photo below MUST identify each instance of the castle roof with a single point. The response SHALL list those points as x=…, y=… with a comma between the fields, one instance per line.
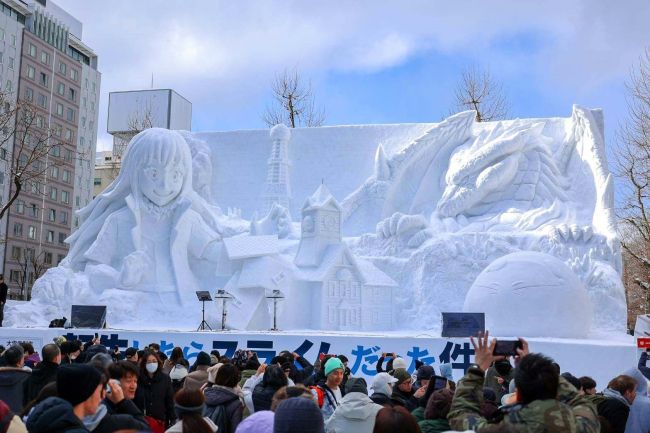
x=321, y=198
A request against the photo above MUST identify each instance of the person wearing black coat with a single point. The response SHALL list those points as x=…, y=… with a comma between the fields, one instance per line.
x=116, y=413
x=643, y=361
x=273, y=379
x=618, y=397
x=54, y=415
x=13, y=378
x=44, y=372
x=155, y=396
x=223, y=394
x=297, y=375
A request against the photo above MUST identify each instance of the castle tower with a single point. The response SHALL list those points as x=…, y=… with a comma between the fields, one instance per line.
x=320, y=227
x=277, y=188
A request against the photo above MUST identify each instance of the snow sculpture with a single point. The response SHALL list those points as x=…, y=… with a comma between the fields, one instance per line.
x=531, y=294
x=277, y=189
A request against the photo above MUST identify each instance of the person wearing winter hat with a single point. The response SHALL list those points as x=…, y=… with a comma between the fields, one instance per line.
x=357, y=411
x=435, y=415
x=80, y=390
x=199, y=372
x=298, y=415
x=382, y=387
x=423, y=376
x=327, y=392
x=403, y=394
x=259, y=422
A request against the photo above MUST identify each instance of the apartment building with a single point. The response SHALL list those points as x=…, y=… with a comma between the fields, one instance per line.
x=58, y=76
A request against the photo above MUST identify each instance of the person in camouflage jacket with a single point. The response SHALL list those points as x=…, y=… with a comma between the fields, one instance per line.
x=568, y=412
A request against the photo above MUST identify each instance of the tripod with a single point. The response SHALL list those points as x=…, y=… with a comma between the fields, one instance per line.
x=203, y=296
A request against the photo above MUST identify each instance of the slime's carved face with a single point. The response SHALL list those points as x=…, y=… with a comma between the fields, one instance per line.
x=161, y=183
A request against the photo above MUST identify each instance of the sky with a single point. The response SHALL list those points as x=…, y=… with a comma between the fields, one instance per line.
x=367, y=61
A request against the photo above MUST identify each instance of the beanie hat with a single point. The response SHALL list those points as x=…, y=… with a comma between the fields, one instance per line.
x=333, y=364
x=77, y=382
x=212, y=372
x=298, y=415
x=202, y=359
x=182, y=410
x=401, y=375
x=259, y=422
x=399, y=363
x=356, y=384
x=425, y=372
x=380, y=383
x=439, y=404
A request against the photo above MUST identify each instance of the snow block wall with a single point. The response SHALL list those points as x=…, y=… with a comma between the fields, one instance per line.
x=383, y=227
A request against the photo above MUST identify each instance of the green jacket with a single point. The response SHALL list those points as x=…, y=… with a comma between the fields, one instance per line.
x=418, y=413
x=569, y=413
x=434, y=425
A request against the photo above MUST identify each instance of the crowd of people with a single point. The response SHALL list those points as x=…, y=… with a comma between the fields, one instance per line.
x=77, y=388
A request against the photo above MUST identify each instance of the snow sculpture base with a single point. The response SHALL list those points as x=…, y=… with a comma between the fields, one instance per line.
x=531, y=294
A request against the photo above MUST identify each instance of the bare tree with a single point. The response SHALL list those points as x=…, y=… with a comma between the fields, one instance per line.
x=477, y=90
x=32, y=266
x=293, y=102
x=633, y=169
x=34, y=148
x=140, y=120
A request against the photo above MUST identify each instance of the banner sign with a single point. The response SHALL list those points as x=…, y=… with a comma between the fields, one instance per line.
x=363, y=351
x=643, y=342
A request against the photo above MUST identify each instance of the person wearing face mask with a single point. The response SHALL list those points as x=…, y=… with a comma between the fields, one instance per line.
x=154, y=395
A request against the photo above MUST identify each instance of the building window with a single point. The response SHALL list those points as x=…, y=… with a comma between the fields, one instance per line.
x=92, y=106
x=36, y=187
x=50, y=236
x=20, y=206
x=32, y=50
x=98, y=181
x=14, y=276
x=65, y=197
x=31, y=232
x=64, y=217
x=3, y=153
x=56, y=151
x=31, y=72
x=94, y=88
x=33, y=210
x=18, y=229
x=1, y=54
x=44, y=79
x=62, y=68
x=40, y=122
x=45, y=57
x=59, y=259
x=11, y=63
x=59, y=109
x=68, y=134
x=47, y=257
x=77, y=201
x=16, y=252
x=29, y=94
x=71, y=94
x=53, y=193
x=13, y=40
x=74, y=74
x=42, y=100
x=66, y=176
x=51, y=215
x=68, y=155
x=70, y=114
x=9, y=87
x=62, y=237
x=54, y=172
x=83, y=121
x=61, y=89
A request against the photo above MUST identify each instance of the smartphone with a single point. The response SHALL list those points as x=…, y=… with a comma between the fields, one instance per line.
x=108, y=389
x=96, y=335
x=507, y=347
x=439, y=382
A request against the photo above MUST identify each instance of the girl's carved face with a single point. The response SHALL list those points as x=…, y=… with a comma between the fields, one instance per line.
x=161, y=183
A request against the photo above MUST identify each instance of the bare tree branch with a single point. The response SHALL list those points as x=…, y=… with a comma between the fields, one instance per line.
x=293, y=102
x=477, y=90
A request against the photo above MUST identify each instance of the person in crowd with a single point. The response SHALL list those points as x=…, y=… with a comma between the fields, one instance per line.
x=31, y=356
x=214, y=357
x=587, y=385
x=131, y=354
x=189, y=405
x=423, y=376
x=403, y=394
x=102, y=361
x=390, y=359
x=265, y=383
x=70, y=351
x=154, y=394
x=93, y=348
x=212, y=373
x=346, y=370
x=489, y=406
x=435, y=415
x=224, y=399
x=155, y=347
x=328, y=392
x=300, y=368
x=618, y=397
x=117, y=412
x=199, y=372
x=48, y=391
x=13, y=378
x=546, y=401
x=499, y=376
x=298, y=415
x=176, y=358
x=259, y=422
x=249, y=369
x=3, y=297
x=9, y=421
x=45, y=372
x=571, y=379
x=391, y=419
x=357, y=411
x=638, y=420
x=79, y=388
x=288, y=392
x=382, y=389
x=643, y=364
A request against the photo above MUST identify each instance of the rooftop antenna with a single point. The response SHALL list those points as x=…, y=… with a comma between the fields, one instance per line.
x=152, y=80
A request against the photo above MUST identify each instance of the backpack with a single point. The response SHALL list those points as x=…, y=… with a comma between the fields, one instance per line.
x=320, y=393
x=219, y=416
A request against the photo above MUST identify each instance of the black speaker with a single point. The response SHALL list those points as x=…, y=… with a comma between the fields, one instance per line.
x=88, y=316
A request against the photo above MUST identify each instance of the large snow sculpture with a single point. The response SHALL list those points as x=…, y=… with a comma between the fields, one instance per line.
x=531, y=294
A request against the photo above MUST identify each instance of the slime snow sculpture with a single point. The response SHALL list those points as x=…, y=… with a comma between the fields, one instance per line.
x=433, y=217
